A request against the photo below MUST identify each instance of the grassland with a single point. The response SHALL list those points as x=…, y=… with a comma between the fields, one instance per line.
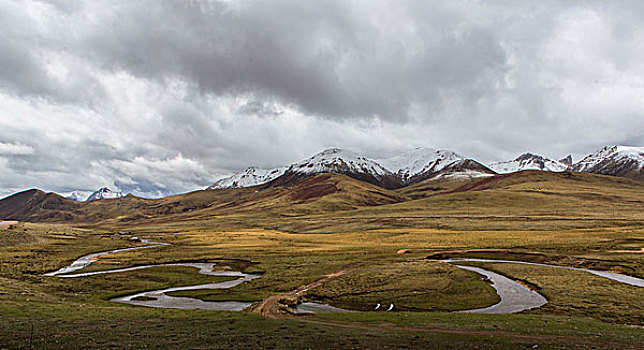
x=575, y=220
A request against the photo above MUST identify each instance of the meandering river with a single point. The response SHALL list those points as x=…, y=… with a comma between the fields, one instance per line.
x=514, y=296
x=633, y=281
x=160, y=298
x=517, y=298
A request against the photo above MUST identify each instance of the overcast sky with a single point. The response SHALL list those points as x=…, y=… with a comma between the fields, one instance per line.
x=162, y=97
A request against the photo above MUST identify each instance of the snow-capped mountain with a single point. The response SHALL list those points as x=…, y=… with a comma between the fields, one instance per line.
x=414, y=166
x=104, y=193
x=463, y=169
x=567, y=161
x=78, y=195
x=334, y=160
x=345, y=162
x=530, y=161
x=626, y=161
x=422, y=163
x=419, y=161
x=251, y=176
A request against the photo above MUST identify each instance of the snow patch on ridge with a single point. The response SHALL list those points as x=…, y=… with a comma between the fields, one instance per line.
x=528, y=161
x=77, y=195
x=469, y=174
x=419, y=161
x=336, y=159
x=105, y=193
x=251, y=176
x=614, y=154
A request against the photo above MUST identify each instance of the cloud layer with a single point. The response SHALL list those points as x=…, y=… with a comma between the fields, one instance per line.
x=162, y=97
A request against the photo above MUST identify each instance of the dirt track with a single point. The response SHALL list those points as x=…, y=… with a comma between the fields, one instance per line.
x=5, y=224
x=276, y=306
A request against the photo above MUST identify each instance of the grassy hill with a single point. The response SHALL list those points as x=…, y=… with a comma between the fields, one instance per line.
x=528, y=193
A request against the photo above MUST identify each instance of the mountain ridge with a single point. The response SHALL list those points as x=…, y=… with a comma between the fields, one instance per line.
x=421, y=163
x=530, y=161
x=408, y=168
x=616, y=160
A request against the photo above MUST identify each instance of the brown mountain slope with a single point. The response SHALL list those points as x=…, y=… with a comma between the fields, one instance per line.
x=526, y=191
x=525, y=200
x=318, y=194
x=324, y=193
x=36, y=205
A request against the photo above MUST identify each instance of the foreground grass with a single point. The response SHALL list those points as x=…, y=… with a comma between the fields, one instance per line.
x=90, y=327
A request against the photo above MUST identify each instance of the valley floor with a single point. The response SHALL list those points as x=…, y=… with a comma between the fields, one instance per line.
x=583, y=311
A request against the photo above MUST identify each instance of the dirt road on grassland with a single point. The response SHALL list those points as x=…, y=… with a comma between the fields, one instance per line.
x=5, y=224
x=276, y=306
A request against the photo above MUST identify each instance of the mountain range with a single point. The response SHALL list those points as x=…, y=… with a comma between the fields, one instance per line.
x=421, y=164
x=415, y=166
x=87, y=196
x=529, y=161
x=337, y=180
x=403, y=170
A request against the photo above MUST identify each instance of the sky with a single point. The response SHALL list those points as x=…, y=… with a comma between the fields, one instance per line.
x=159, y=97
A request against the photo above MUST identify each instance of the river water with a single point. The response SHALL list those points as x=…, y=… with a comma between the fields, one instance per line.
x=514, y=296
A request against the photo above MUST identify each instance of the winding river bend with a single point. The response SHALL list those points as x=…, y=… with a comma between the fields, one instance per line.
x=633, y=281
x=517, y=298
x=514, y=296
x=160, y=298
x=88, y=259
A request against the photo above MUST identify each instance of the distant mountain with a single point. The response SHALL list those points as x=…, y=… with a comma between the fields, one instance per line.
x=339, y=161
x=420, y=161
x=566, y=161
x=77, y=196
x=530, y=161
x=251, y=176
x=423, y=163
x=414, y=166
x=36, y=205
x=464, y=169
x=309, y=193
x=104, y=193
x=624, y=161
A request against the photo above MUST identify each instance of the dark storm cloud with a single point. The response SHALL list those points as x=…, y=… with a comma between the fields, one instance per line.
x=330, y=58
x=164, y=96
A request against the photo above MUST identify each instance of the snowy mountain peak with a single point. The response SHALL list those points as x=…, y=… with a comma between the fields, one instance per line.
x=333, y=151
x=336, y=160
x=567, y=161
x=529, y=156
x=419, y=161
x=613, y=160
x=77, y=195
x=636, y=153
x=104, y=193
x=251, y=176
x=615, y=152
x=528, y=161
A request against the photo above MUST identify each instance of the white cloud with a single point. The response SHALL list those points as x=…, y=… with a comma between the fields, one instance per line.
x=15, y=149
